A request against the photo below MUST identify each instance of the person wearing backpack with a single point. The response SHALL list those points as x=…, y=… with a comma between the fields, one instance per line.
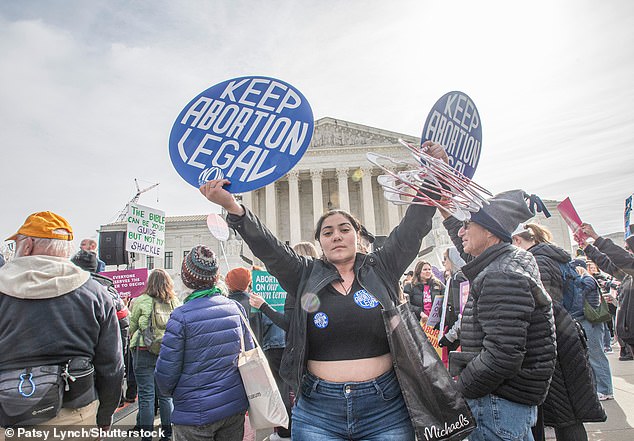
x=572, y=398
x=151, y=310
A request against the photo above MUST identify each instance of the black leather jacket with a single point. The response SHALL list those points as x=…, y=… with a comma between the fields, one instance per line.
x=378, y=272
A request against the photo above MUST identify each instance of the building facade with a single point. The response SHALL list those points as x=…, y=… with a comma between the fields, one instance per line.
x=333, y=173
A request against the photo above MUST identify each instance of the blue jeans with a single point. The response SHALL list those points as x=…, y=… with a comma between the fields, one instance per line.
x=144, y=364
x=502, y=420
x=607, y=337
x=371, y=410
x=596, y=355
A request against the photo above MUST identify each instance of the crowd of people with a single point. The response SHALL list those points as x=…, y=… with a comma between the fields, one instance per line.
x=524, y=348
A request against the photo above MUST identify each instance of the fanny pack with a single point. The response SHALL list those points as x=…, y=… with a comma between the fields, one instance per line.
x=79, y=383
x=30, y=396
x=33, y=395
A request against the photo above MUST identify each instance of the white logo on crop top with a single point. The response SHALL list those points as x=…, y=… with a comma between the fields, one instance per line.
x=320, y=320
x=365, y=300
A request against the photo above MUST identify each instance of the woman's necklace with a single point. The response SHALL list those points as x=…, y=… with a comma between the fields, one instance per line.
x=346, y=291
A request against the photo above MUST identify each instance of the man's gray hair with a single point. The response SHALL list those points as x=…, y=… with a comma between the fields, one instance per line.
x=52, y=247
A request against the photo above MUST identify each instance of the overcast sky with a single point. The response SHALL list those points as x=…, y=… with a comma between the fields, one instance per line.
x=90, y=90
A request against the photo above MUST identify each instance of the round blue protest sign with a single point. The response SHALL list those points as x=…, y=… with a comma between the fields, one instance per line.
x=250, y=130
x=455, y=123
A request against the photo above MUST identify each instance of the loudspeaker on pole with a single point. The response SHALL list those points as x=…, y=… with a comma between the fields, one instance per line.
x=112, y=247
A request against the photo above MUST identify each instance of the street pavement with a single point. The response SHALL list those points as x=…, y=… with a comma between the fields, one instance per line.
x=618, y=427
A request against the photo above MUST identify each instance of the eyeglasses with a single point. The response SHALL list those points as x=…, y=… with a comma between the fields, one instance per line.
x=465, y=224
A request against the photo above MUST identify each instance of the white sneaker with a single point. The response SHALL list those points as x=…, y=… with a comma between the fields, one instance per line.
x=276, y=437
x=605, y=397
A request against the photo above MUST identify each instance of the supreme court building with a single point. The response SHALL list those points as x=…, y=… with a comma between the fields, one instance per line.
x=333, y=173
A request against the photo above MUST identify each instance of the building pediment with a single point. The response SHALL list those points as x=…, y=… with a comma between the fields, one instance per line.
x=335, y=133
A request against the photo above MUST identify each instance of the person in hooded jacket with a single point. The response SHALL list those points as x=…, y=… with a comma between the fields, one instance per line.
x=453, y=263
x=53, y=312
x=572, y=398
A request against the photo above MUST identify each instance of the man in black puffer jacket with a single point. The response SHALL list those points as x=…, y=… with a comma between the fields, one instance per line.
x=508, y=334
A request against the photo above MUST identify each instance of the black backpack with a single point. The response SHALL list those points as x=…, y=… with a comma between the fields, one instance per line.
x=573, y=289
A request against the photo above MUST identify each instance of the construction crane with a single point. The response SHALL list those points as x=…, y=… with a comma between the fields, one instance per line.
x=124, y=213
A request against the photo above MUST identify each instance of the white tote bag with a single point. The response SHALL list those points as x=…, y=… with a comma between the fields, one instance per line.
x=266, y=407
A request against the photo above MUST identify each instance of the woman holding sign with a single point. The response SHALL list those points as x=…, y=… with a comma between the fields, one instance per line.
x=337, y=355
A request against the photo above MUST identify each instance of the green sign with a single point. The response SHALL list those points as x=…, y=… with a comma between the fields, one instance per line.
x=267, y=286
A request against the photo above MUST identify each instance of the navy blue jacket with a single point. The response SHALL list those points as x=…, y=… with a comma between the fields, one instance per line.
x=198, y=362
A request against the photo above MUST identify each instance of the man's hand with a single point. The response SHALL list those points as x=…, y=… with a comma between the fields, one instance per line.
x=435, y=150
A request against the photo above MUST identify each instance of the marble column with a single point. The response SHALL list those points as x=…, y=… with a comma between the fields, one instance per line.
x=271, y=208
x=368, y=199
x=393, y=217
x=247, y=201
x=318, y=202
x=293, y=205
x=344, y=197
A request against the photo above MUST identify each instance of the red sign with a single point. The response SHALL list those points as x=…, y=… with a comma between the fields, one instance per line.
x=571, y=217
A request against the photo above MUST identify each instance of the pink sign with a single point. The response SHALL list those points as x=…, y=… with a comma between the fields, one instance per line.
x=571, y=217
x=128, y=283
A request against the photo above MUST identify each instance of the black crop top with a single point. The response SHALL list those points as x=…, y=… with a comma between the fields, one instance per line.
x=346, y=327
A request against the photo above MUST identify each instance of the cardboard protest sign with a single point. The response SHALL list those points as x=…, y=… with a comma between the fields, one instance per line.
x=266, y=285
x=218, y=227
x=455, y=123
x=128, y=283
x=145, y=231
x=436, y=311
x=629, y=227
x=432, y=335
x=250, y=130
x=571, y=217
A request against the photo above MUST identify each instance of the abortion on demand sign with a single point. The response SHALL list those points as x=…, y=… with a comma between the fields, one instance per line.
x=455, y=123
x=250, y=130
x=146, y=230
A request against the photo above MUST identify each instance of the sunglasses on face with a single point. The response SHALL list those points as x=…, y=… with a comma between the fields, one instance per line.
x=465, y=224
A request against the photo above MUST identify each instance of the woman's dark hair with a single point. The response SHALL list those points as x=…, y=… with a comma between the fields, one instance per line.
x=417, y=269
x=353, y=221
